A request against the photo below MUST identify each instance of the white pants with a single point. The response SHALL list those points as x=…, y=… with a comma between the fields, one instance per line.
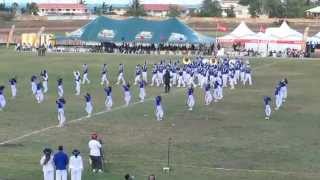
x=48, y=175
x=60, y=91
x=137, y=79
x=121, y=79
x=208, y=98
x=89, y=108
x=154, y=79
x=33, y=88
x=225, y=80
x=237, y=76
x=13, y=91
x=2, y=102
x=144, y=76
x=174, y=79
x=181, y=82
x=220, y=93
x=61, y=175
x=104, y=79
x=39, y=96
x=242, y=75
x=142, y=94
x=284, y=93
x=61, y=117
x=159, y=113
x=278, y=101
x=76, y=174
x=247, y=78
x=108, y=102
x=45, y=86
x=85, y=79
x=127, y=98
x=78, y=86
x=190, y=102
x=232, y=82
x=267, y=110
x=216, y=95
x=160, y=77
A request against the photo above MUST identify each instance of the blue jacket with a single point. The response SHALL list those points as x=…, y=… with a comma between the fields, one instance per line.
x=60, y=160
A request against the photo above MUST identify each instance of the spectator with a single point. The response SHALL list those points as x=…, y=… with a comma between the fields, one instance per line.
x=47, y=164
x=76, y=165
x=61, y=161
x=95, y=153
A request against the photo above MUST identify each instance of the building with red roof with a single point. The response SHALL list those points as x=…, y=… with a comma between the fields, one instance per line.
x=46, y=9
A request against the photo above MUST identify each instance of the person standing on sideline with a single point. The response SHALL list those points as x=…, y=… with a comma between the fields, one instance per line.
x=166, y=79
x=95, y=153
x=108, y=103
x=46, y=162
x=267, y=108
x=76, y=165
x=159, y=109
x=60, y=87
x=13, y=85
x=61, y=161
x=85, y=74
x=60, y=107
x=89, y=106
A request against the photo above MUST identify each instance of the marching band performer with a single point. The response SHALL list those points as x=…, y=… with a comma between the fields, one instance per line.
x=108, y=102
x=13, y=85
x=60, y=87
x=121, y=75
x=89, y=106
x=145, y=72
x=127, y=94
x=60, y=107
x=154, y=79
x=247, y=76
x=2, y=98
x=137, y=79
x=45, y=77
x=267, y=108
x=190, y=98
x=33, y=81
x=85, y=74
x=208, y=95
x=159, y=110
x=39, y=93
x=77, y=79
x=142, y=91
x=104, y=72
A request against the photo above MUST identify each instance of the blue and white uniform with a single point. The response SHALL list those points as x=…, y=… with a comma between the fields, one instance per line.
x=45, y=78
x=138, y=72
x=104, y=75
x=232, y=78
x=208, y=95
x=247, y=77
x=158, y=108
x=121, y=75
x=60, y=87
x=267, y=108
x=39, y=93
x=181, y=82
x=60, y=107
x=154, y=78
x=89, y=106
x=284, y=89
x=13, y=85
x=33, y=84
x=278, y=97
x=216, y=91
x=77, y=80
x=127, y=94
x=85, y=78
x=190, y=98
x=142, y=91
x=108, y=102
x=225, y=74
x=145, y=72
x=2, y=98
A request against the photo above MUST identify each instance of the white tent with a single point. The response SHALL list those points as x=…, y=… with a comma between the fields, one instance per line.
x=240, y=33
x=286, y=37
x=262, y=43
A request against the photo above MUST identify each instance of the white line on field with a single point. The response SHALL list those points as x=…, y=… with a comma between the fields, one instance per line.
x=95, y=114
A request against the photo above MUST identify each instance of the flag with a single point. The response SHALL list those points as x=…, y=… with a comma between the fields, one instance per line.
x=262, y=28
x=221, y=27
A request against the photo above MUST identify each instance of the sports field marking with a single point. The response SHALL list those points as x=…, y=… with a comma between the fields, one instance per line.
x=98, y=113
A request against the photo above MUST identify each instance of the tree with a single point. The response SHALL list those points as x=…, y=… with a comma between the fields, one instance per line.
x=136, y=9
x=174, y=11
x=32, y=8
x=295, y=8
x=14, y=8
x=210, y=9
x=230, y=12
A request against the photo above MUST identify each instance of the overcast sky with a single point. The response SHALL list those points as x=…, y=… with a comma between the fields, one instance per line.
x=107, y=1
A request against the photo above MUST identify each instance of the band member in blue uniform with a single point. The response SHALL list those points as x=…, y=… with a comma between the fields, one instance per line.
x=45, y=78
x=108, y=102
x=127, y=94
x=33, y=81
x=158, y=108
x=208, y=95
x=267, y=109
x=13, y=85
x=121, y=75
x=60, y=107
x=142, y=91
x=60, y=87
x=85, y=78
x=2, y=98
x=104, y=75
x=89, y=106
x=77, y=79
x=39, y=93
x=190, y=98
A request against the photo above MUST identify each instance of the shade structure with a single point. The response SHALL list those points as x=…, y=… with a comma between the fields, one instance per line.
x=241, y=33
x=103, y=29
x=314, y=39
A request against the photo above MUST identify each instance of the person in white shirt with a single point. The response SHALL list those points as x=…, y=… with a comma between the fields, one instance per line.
x=47, y=164
x=76, y=165
x=95, y=153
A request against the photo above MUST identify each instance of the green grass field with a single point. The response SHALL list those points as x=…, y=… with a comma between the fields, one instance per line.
x=228, y=140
